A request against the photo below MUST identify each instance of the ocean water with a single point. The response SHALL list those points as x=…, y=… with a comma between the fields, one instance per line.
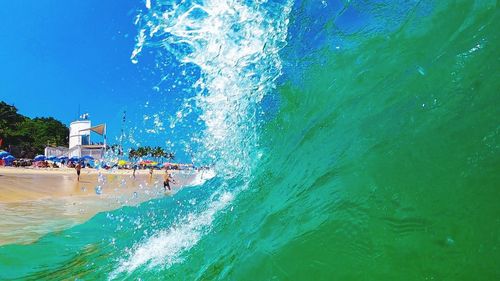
x=351, y=140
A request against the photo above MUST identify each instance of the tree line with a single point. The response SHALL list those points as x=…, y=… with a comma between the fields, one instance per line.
x=25, y=137
x=157, y=153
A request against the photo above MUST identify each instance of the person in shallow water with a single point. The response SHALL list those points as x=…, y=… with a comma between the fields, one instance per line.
x=166, y=180
x=78, y=168
x=151, y=173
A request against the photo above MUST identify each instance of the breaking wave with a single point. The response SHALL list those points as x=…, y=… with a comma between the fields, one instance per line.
x=349, y=140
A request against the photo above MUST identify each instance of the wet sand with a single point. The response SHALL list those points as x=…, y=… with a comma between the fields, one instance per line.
x=34, y=202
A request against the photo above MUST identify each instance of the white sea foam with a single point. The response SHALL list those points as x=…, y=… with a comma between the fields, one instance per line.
x=165, y=247
x=201, y=177
x=235, y=44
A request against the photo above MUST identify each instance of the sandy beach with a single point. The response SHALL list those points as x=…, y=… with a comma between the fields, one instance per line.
x=34, y=202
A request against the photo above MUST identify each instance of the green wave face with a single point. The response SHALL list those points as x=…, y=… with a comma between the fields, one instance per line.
x=380, y=161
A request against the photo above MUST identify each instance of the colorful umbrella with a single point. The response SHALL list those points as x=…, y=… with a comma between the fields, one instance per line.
x=74, y=158
x=40, y=158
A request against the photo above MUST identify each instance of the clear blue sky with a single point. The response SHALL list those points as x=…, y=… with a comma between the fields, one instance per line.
x=56, y=55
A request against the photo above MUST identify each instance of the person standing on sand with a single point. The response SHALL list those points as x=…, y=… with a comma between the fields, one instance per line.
x=78, y=168
x=135, y=168
x=151, y=173
x=166, y=180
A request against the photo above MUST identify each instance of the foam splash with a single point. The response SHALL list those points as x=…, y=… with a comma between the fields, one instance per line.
x=235, y=44
x=201, y=177
x=165, y=247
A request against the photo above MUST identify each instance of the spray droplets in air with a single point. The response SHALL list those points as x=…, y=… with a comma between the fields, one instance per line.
x=235, y=45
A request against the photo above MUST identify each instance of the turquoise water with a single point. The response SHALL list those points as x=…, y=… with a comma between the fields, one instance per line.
x=351, y=141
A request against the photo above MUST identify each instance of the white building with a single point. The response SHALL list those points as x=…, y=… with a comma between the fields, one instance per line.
x=80, y=143
x=79, y=133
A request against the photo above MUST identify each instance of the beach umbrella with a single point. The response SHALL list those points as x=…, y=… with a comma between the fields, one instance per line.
x=51, y=158
x=148, y=163
x=122, y=163
x=39, y=158
x=74, y=158
x=87, y=157
x=63, y=158
x=8, y=160
x=3, y=153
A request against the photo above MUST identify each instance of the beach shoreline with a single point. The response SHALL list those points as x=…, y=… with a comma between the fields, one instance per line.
x=36, y=201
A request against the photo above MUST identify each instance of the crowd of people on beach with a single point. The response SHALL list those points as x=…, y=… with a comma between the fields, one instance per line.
x=167, y=178
x=79, y=163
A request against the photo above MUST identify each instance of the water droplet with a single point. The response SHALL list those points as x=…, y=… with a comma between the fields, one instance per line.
x=450, y=241
x=421, y=70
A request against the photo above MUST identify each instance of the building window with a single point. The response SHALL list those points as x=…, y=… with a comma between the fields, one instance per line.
x=85, y=140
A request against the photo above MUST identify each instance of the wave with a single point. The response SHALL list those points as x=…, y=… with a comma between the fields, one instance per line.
x=351, y=140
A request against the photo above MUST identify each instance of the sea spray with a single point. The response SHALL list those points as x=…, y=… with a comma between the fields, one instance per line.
x=357, y=180
x=165, y=247
x=236, y=46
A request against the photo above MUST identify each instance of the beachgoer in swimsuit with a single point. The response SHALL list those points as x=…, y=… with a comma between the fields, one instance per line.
x=78, y=168
x=166, y=181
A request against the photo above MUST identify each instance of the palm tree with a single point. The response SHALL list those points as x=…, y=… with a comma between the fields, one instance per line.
x=170, y=156
x=164, y=155
x=148, y=151
x=141, y=152
x=154, y=153
x=158, y=153
x=132, y=154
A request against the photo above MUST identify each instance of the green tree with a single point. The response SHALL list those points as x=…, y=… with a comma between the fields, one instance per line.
x=9, y=122
x=30, y=136
x=141, y=152
x=132, y=154
x=158, y=153
x=148, y=150
x=170, y=156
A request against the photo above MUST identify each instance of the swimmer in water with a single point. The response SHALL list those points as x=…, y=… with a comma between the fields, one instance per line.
x=166, y=181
